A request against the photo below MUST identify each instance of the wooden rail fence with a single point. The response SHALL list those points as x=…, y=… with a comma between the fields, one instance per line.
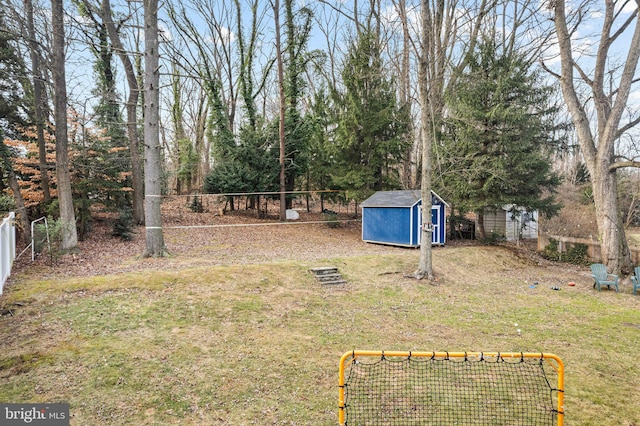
x=593, y=246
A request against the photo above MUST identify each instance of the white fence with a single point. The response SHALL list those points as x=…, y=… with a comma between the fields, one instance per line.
x=7, y=247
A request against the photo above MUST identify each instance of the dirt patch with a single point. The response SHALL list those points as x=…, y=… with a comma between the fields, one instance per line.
x=207, y=239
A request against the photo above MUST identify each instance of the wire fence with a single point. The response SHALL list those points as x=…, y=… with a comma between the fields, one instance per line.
x=266, y=205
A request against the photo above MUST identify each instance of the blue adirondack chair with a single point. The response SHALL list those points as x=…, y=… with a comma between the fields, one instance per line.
x=635, y=280
x=601, y=277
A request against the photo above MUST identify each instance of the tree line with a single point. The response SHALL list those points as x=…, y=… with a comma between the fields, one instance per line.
x=472, y=98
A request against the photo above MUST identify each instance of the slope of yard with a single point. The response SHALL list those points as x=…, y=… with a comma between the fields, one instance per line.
x=233, y=330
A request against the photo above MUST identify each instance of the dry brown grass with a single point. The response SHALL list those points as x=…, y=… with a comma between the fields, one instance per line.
x=576, y=218
x=208, y=239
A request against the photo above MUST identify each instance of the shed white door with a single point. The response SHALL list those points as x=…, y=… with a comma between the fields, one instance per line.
x=435, y=220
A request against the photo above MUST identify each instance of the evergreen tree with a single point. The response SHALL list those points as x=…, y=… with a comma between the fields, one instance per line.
x=248, y=163
x=186, y=158
x=14, y=85
x=250, y=167
x=14, y=114
x=500, y=123
x=369, y=143
x=321, y=154
x=297, y=127
x=101, y=173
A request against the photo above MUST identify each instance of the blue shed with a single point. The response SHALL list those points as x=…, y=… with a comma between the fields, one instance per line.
x=395, y=218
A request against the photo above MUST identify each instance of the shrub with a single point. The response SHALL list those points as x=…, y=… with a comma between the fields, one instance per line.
x=574, y=253
x=550, y=251
x=123, y=226
x=586, y=195
x=52, y=209
x=492, y=239
x=196, y=205
x=51, y=229
x=332, y=219
x=7, y=204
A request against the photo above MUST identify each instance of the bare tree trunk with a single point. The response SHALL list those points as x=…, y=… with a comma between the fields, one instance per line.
x=481, y=229
x=65, y=198
x=154, y=242
x=201, y=122
x=439, y=42
x=20, y=207
x=132, y=118
x=425, y=266
x=283, y=199
x=599, y=149
x=405, y=93
x=38, y=93
x=614, y=247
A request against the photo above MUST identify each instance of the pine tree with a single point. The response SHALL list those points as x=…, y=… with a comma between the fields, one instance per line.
x=321, y=164
x=101, y=172
x=369, y=143
x=500, y=123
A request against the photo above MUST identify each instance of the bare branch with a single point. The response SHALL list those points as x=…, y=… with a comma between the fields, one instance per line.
x=630, y=125
x=583, y=75
x=624, y=26
x=623, y=165
x=549, y=70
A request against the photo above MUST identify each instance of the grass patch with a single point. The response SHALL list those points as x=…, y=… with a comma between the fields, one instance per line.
x=260, y=344
x=20, y=364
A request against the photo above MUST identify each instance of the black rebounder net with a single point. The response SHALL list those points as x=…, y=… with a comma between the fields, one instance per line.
x=478, y=390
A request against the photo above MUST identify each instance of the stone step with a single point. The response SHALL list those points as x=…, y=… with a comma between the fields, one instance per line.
x=324, y=270
x=329, y=277
x=332, y=283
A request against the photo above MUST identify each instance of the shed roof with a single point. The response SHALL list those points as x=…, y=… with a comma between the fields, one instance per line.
x=403, y=198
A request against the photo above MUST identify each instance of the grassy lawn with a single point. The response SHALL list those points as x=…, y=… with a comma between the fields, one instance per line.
x=260, y=344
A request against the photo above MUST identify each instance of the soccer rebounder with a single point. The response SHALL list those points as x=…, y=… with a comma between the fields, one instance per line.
x=450, y=388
